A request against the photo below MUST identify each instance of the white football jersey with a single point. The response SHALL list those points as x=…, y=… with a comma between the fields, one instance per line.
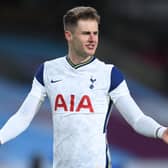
x=81, y=97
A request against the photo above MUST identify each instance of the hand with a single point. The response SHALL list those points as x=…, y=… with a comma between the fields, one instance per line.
x=165, y=136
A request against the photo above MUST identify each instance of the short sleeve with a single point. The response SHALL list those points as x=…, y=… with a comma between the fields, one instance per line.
x=118, y=86
x=116, y=78
x=39, y=74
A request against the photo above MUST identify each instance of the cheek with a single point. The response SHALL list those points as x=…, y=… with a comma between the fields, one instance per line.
x=78, y=45
x=97, y=39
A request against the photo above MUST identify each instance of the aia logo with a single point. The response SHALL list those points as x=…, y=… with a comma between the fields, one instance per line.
x=73, y=105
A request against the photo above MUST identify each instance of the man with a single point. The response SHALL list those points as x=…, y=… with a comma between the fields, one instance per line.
x=81, y=90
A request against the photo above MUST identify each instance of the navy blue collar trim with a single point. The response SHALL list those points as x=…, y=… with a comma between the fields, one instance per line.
x=76, y=66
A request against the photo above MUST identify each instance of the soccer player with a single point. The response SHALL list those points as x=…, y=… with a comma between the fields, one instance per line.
x=81, y=90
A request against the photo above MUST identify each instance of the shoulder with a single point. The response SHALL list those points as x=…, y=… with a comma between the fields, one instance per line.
x=114, y=74
x=57, y=60
x=104, y=66
x=43, y=68
x=117, y=78
x=49, y=63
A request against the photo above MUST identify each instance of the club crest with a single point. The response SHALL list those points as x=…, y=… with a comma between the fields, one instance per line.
x=92, y=80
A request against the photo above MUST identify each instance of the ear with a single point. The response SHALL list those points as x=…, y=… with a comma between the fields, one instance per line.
x=68, y=35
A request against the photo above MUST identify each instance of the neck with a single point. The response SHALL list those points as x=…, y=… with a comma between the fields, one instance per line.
x=78, y=60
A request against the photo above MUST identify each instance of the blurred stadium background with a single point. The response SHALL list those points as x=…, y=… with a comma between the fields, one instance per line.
x=134, y=36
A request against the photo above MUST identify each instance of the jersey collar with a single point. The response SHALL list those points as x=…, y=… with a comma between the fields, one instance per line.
x=76, y=66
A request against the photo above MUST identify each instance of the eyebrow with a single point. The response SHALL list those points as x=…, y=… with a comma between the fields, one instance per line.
x=89, y=32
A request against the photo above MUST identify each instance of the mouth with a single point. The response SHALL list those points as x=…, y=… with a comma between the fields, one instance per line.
x=91, y=46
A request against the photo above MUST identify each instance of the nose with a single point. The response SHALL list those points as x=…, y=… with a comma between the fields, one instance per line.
x=91, y=37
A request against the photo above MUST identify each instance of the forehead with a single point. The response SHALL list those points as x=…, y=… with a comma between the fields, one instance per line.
x=87, y=25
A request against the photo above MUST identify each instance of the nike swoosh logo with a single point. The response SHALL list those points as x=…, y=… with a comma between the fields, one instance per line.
x=55, y=81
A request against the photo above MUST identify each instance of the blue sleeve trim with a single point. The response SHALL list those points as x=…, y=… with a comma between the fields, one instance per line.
x=116, y=78
x=39, y=74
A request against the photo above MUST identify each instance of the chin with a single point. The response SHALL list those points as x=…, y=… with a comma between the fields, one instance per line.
x=91, y=53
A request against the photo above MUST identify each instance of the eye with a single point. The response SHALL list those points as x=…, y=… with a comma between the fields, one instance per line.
x=95, y=33
x=86, y=33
